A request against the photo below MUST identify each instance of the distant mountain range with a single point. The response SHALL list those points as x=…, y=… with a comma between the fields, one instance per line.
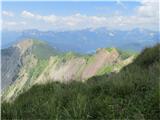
x=87, y=40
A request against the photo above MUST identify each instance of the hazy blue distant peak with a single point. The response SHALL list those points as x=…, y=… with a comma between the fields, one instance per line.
x=87, y=40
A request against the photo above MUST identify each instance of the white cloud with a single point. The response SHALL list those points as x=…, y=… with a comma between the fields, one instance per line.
x=27, y=14
x=23, y=23
x=13, y=25
x=50, y=18
x=7, y=13
x=145, y=16
x=149, y=8
x=9, y=23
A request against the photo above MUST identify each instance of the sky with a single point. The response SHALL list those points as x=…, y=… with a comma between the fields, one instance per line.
x=62, y=16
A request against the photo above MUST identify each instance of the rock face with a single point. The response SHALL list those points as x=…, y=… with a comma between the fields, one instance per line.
x=12, y=60
x=101, y=59
x=22, y=67
x=10, y=65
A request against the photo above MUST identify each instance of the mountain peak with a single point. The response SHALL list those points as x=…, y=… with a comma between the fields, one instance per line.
x=24, y=45
x=110, y=50
x=28, y=42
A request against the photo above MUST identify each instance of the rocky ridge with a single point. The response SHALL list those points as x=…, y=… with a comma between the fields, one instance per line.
x=23, y=62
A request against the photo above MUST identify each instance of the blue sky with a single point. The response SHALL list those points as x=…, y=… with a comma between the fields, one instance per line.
x=69, y=8
x=80, y=15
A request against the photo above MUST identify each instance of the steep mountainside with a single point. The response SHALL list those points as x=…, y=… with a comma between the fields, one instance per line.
x=12, y=61
x=38, y=63
x=132, y=94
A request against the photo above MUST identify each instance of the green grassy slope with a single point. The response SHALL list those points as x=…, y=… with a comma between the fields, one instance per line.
x=43, y=50
x=133, y=93
x=126, y=54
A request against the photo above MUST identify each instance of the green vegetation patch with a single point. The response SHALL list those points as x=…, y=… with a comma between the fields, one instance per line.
x=42, y=50
x=126, y=54
x=106, y=69
x=37, y=70
x=68, y=56
x=109, y=49
x=149, y=56
x=89, y=58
